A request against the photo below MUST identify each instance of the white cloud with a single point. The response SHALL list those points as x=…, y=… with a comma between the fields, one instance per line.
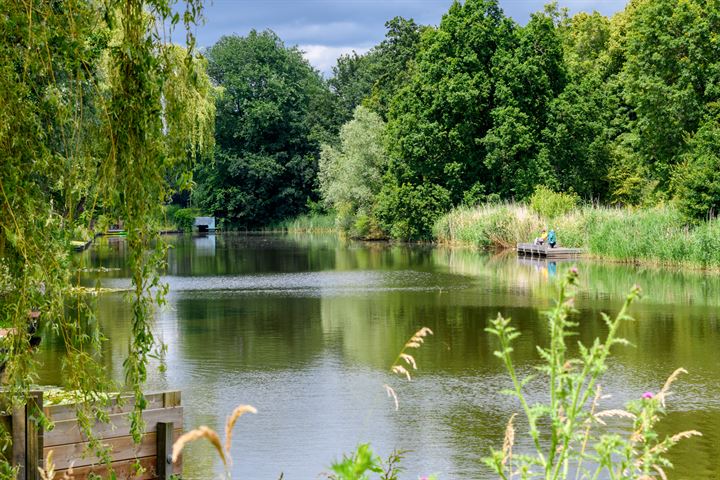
x=323, y=57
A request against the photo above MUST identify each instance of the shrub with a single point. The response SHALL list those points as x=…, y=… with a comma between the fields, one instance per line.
x=184, y=218
x=551, y=205
x=409, y=212
x=697, y=179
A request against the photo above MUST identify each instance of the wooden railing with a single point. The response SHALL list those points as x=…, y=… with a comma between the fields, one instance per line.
x=163, y=424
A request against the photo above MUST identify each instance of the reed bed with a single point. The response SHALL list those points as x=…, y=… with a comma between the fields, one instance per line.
x=655, y=236
x=307, y=224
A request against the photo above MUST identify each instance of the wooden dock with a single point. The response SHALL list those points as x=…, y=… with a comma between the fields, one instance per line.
x=71, y=449
x=544, y=251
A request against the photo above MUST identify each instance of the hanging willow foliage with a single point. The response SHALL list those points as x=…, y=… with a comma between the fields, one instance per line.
x=98, y=114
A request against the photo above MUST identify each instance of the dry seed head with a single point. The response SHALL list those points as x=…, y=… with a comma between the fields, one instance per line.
x=391, y=393
x=687, y=434
x=197, y=434
x=424, y=331
x=613, y=413
x=400, y=370
x=665, y=391
x=509, y=440
x=239, y=411
x=660, y=471
x=409, y=359
x=412, y=344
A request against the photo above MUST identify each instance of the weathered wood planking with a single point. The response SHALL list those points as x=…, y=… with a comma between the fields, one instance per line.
x=69, y=445
x=545, y=251
x=68, y=431
x=124, y=470
x=121, y=448
x=67, y=412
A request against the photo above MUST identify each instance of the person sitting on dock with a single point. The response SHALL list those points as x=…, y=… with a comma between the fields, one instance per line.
x=541, y=239
x=552, y=238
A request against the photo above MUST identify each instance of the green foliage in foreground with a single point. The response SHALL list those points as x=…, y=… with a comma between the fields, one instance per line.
x=568, y=432
x=659, y=235
x=98, y=115
x=363, y=462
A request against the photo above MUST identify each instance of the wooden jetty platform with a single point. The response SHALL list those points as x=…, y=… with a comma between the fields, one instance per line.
x=72, y=454
x=544, y=251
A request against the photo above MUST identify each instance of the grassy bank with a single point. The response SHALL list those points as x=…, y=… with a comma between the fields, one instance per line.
x=307, y=224
x=658, y=235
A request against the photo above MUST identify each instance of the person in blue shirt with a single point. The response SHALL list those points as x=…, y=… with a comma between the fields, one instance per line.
x=552, y=238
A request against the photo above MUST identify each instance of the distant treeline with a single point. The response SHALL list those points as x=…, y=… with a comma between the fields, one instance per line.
x=622, y=110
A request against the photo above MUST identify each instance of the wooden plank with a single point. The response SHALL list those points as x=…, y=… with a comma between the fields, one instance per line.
x=34, y=436
x=66, y=412
x=122, y=448
x=172, y=399
x=124, y=470
x=19, y=421
x=164, y=450
x=68, y=431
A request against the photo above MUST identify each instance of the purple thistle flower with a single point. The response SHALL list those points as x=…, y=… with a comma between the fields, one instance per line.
x=647, y=395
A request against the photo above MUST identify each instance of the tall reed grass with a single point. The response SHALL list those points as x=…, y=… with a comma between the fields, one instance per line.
x=659, y=235
x=311, y=223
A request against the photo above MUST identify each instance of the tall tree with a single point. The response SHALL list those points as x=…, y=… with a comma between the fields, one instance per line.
x=529, y=73
x=671, y=75
x=437, y=120
x=274, y=112
x=579, y=131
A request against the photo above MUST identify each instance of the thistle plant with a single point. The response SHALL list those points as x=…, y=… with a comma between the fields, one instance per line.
x=567, y=432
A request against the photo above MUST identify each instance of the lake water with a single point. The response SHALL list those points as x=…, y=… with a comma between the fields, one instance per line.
x=305, y=329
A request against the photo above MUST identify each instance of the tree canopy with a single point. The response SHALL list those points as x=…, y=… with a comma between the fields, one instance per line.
x=274, y=112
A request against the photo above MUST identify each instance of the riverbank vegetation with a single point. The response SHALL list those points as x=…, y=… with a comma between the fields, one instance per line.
x=618, y=112
x=654, y=235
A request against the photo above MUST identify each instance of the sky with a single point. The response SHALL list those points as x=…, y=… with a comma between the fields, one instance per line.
x=325, y=29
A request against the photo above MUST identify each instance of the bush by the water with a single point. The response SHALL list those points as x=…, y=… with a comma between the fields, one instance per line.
x=408, y=212
x=184, y=218
x=550, y=204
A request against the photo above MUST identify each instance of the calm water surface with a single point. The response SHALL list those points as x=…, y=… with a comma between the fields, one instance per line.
x=305, y=329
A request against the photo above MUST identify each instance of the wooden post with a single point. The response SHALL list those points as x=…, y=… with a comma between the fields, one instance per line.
x=18, y=441
x=34, y=435
x=164, y=450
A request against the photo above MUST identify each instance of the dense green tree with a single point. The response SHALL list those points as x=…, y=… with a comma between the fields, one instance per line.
x=436, y=121
x=373, y=79
x=697, y=178
x=352, y=81
x=274, y=112
x=529, y=73
x=670, y=76
x=579, y=130
x=394, y=59
x=409, y=212
x=351, y=175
